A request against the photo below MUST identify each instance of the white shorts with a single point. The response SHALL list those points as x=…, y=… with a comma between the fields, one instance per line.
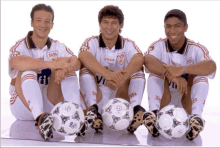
x=20, y=111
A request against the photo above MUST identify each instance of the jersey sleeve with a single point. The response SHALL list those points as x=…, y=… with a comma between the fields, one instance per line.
x=17, y=50
x=202, y=55
x=89, y=45
x=65, y=51
x=132, y=49
x=155, y=51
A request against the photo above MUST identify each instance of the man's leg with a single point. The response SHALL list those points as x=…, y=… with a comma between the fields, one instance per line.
x=199, y=92
x=155, y=89
x=28, y=90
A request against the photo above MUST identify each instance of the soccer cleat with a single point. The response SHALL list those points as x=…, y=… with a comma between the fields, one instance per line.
x=196, y=126
x=149, y=120
x=137, y=119
x=92, y=119
x=44, y=124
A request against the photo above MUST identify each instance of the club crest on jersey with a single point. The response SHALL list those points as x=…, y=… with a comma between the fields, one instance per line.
x=52, y=55
x=120, y=57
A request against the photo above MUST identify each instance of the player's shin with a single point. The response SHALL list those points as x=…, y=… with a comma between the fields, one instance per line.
x=70, y=88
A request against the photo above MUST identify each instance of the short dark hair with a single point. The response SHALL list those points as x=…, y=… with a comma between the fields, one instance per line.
x=42, y=7
x=176, y=13
x=111, y=11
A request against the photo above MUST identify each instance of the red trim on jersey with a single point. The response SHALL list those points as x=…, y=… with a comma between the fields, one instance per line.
x=85, y=45
x=69, y=51
x=203, y=48
x=148, y=51
x=13, y=98
x=201, y=79
x=13, y=48
x=135, y=46
x=28, y=76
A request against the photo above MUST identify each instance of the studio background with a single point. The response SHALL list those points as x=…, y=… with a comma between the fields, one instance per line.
x=74, y=21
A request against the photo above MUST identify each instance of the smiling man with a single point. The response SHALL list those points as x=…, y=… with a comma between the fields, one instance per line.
x=111, y=67
x=179, y=71
x=42, y=72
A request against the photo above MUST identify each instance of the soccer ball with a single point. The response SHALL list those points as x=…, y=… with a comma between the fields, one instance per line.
x=172, y=122
x=68, y=118
x=117, y=114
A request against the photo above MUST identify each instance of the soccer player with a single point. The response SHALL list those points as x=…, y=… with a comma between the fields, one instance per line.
x=111, y=67
x=179, y=71
x=42, y=72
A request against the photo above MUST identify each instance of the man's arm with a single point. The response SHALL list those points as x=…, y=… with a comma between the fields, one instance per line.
x=202, y=68
x=90, y=62
x=154, y=65
x=134, y=65
x=23, y=63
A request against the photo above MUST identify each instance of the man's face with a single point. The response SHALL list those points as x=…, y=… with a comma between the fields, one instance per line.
x=110, y=27
x=174, y=30
x=42, y=23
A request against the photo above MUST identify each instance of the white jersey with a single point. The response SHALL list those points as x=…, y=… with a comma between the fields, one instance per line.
x=113, y=59
x=51, y=51
x=190, y=54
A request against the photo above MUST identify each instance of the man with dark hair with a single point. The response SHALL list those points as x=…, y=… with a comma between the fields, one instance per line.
x=42, y=72
x=111, y=67
x=179, y=70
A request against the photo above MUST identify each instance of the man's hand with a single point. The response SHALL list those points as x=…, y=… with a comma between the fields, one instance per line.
x=117, y=77
x=60, y=74
x=111, y=84
x=172, y=71
x=181, y=85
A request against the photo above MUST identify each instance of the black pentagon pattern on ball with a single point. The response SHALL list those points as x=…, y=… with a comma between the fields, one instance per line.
x=168, y=132
x=64, y=118
x=61, y=130
x=72, y=125
x=108, y=110
x=126, y=116
x=57, y=110
x=115, y=119
x=159, y=115
x=76, y=116
x=185, y=123
x=115, y=101
x=70, y=134
x=158, y=126
x=76, y=105
x=170, y=112
x=126, y=104
x=112, y=127
x=176, y=123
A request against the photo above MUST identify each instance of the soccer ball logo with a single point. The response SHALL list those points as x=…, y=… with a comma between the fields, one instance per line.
x=117, y=114
x=68, y=118
x=172, y=122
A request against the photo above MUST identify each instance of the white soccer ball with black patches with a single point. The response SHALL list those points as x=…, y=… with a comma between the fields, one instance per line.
x=68, y=118
x=117, y=114
x=172, y=122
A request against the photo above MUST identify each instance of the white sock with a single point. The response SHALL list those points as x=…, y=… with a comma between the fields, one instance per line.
x=155, y=89
x=70, y=88
x=199, y=92
x=32, y=92
x=88, y=86
x=136, y=88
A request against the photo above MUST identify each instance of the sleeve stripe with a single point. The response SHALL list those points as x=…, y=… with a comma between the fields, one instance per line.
x=13, y=48
x=85, y=45
x=69, y=51
x=203, y=48
x=135, y=46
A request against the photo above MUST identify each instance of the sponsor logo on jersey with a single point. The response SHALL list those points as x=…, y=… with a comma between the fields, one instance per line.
x=120, y=57
x=52, y=55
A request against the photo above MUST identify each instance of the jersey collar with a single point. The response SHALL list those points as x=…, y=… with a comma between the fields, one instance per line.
x=118, y=44
x=181, y=51
x=30, y=44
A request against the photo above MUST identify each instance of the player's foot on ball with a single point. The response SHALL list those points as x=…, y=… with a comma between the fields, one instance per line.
x=92, y=119
x=149, y=120
x=44, y=124
x=137, y=119
x=196, y=125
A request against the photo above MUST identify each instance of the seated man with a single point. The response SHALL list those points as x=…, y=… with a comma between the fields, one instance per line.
x=111, y=67
x=185, y=66
x=42, y=72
